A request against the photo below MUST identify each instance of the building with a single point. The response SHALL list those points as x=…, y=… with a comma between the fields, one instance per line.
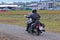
x=32, y=6
x=7, y=7
x=45, y=5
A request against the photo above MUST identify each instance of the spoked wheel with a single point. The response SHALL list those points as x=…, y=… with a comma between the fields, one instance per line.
x=30, y=30
x=38, y=32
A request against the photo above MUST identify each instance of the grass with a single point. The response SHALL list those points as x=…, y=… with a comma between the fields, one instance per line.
x=52, y=22
x=29, y=11
x=50, y=18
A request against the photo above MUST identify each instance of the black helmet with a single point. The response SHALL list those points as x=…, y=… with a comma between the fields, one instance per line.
x=34, y=11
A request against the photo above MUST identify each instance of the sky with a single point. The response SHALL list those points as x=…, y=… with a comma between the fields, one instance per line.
x=17, y=0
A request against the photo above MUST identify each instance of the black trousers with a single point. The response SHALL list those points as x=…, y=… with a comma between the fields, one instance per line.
x=28, y=25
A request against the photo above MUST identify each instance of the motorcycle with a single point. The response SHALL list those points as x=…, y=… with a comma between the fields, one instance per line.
x=36, y=27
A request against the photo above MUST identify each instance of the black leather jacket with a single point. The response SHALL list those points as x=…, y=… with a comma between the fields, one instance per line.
x=34, y=16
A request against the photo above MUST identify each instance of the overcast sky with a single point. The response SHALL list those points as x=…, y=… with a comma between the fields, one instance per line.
x=17, y=0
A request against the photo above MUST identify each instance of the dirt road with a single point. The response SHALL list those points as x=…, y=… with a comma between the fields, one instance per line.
x=20, y=33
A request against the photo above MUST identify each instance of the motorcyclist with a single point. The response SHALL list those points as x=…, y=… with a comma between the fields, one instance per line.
x=34, y=16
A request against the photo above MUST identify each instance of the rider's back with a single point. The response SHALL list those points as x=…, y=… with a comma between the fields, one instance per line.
x=35, y=16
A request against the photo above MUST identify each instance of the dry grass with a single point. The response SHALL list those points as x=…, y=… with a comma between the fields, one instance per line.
x=28, y=11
